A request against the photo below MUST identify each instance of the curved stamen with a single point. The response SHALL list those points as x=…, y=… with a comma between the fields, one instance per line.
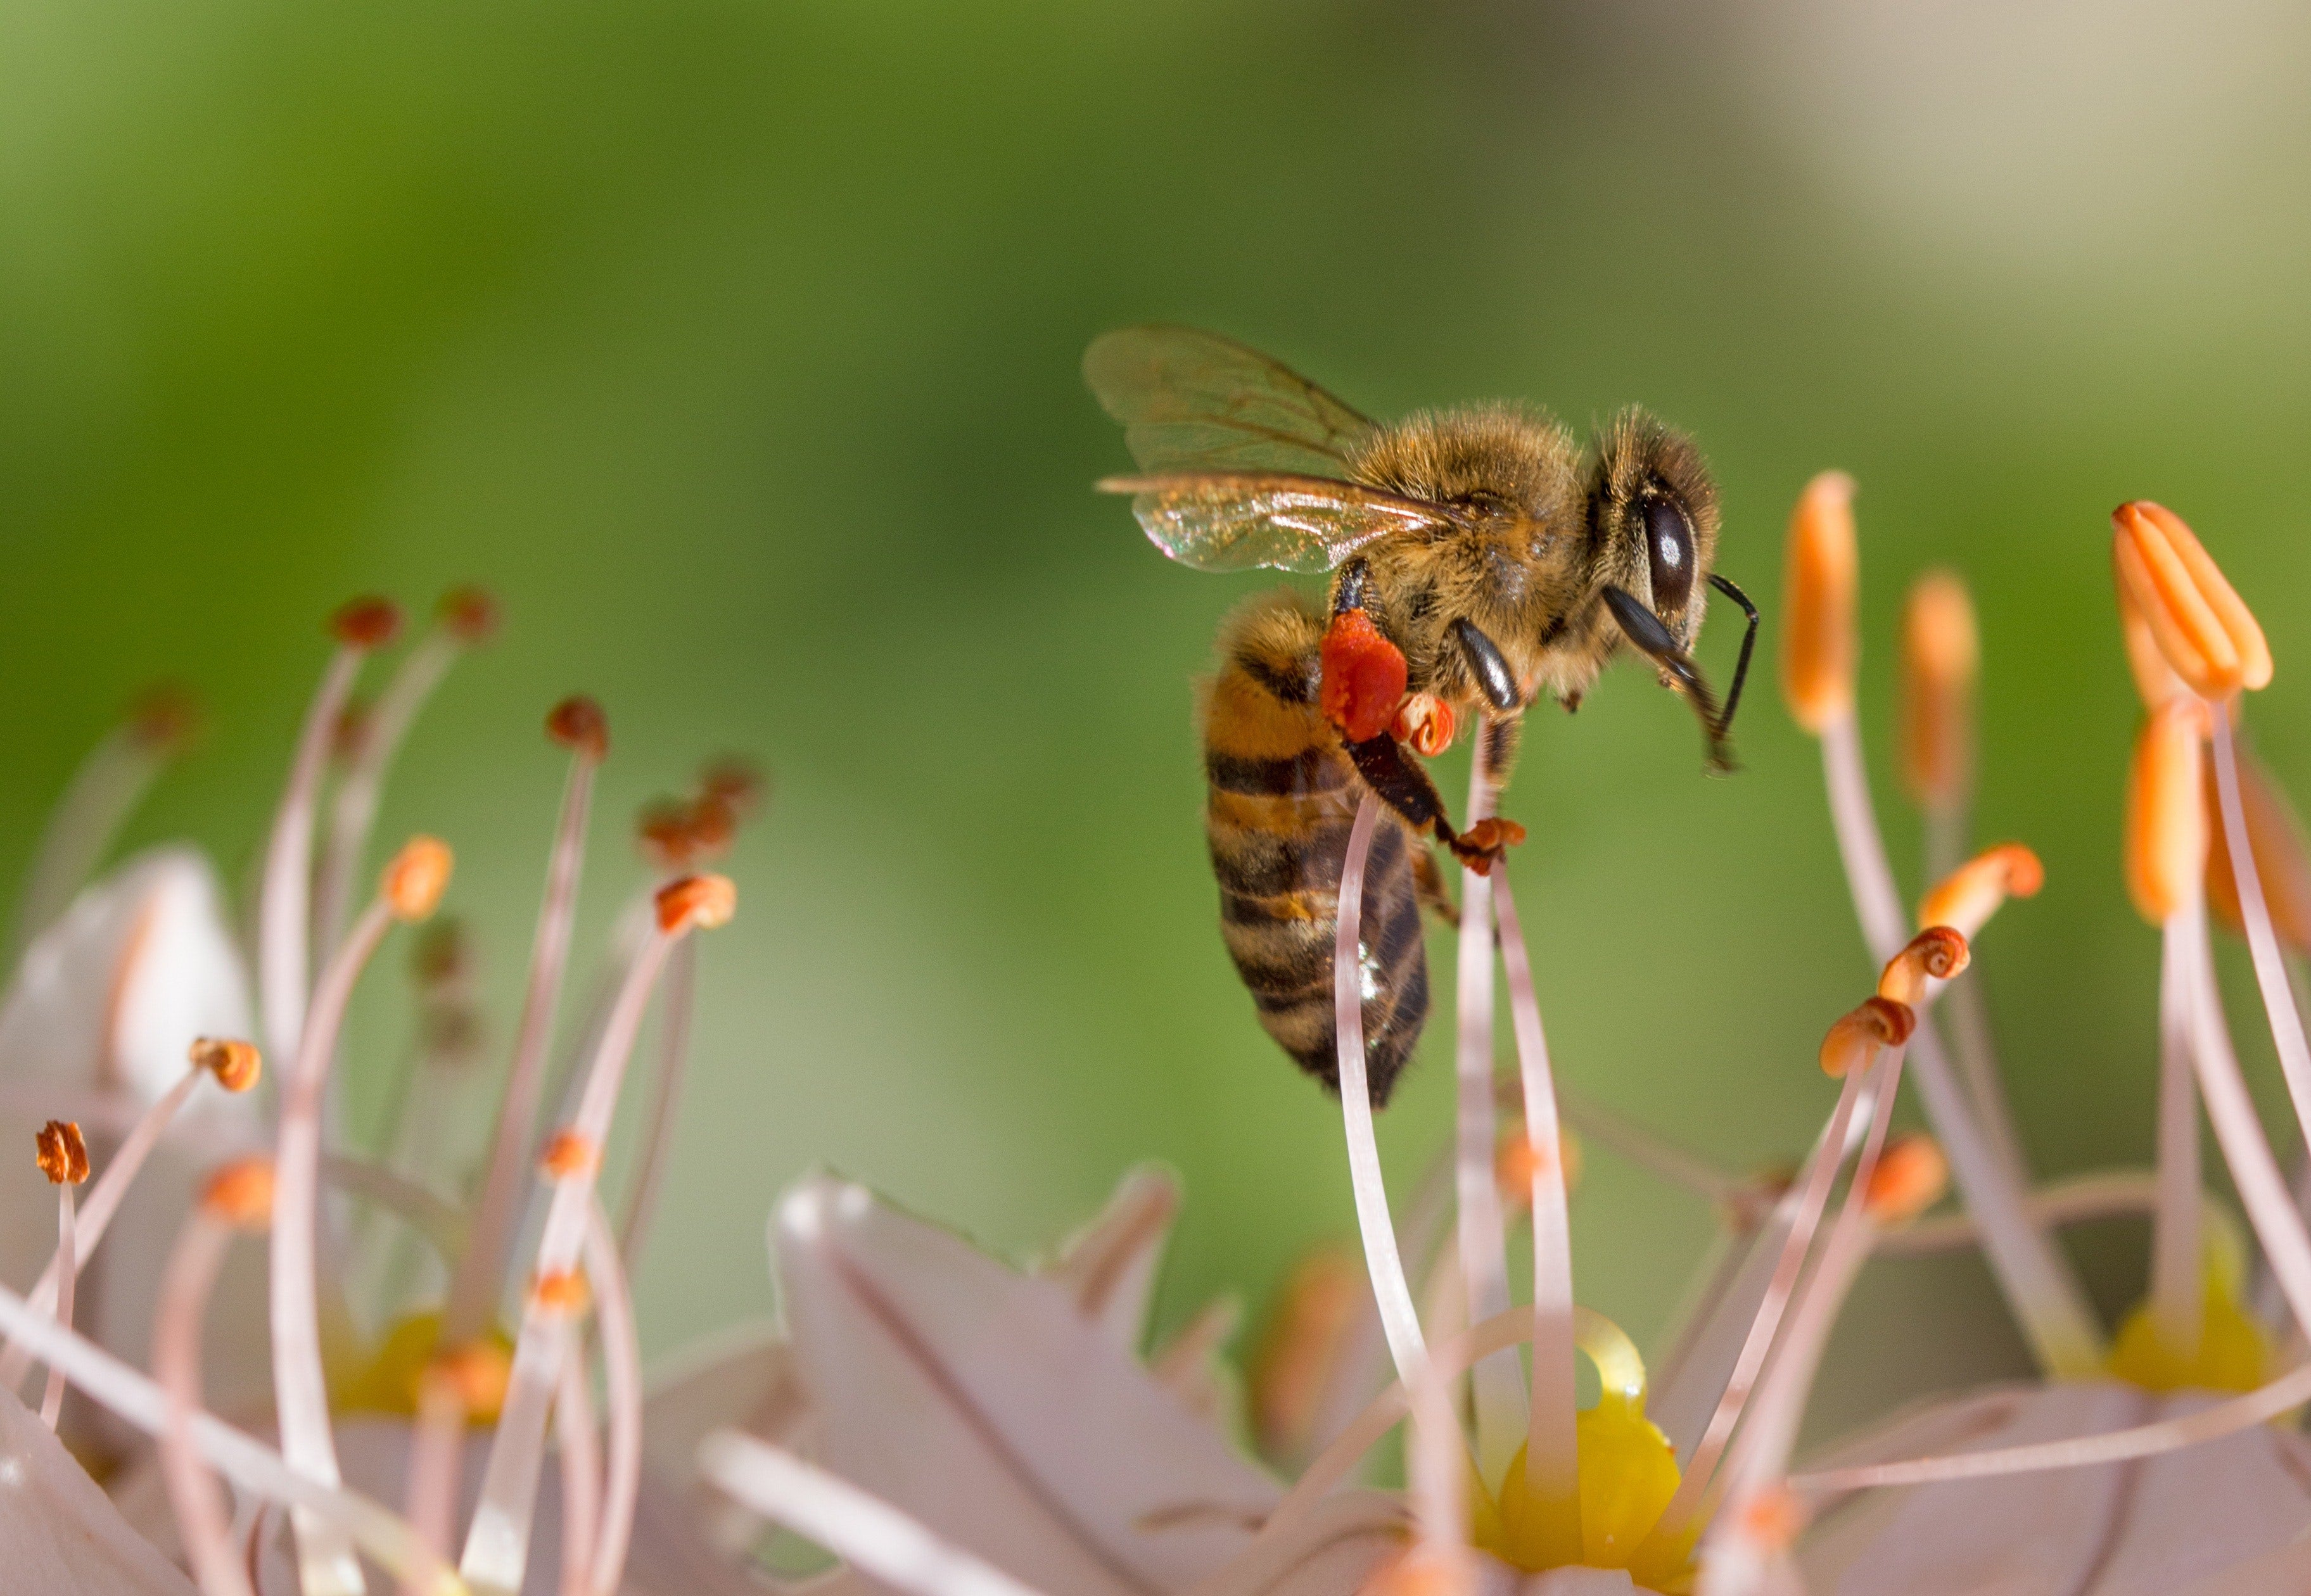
x=621, y=1379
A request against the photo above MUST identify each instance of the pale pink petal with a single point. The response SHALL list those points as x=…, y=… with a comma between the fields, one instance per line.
x=1110, y=1265
x=1579, y=1582
x=982, y=1403
x=2286, y=1572
x=2142, y=1529
x=57, y=1531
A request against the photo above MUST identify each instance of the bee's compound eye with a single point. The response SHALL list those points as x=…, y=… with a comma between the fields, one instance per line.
x=1669, y=541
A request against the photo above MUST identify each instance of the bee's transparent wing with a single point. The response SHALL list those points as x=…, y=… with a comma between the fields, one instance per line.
x=1194, y=401
x=1237, y=520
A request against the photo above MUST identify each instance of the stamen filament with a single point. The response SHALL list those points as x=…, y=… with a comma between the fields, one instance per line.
x=97, y=802
x=622, y=1381
x=1399, y=1320
x=1657, y=1156
x=52, y=1400
x=1552, y=1468
x=2100, y=1194
x=578, y=1446
x=1498, y=1384
x=677, y=999
x=436, y=1445
x=480, y=1279
x=203, y=1523
x=862, y=1530
x=2177, y=1297
x=2262, y=942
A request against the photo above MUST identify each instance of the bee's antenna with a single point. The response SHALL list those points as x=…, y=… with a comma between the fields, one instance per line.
x=1748, y=641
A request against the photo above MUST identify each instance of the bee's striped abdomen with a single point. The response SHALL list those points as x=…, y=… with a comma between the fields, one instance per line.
x=1283, y=795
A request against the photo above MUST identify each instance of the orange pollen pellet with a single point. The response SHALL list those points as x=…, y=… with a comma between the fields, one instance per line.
x=1878, y=1022
x=418, y=876
x=1819, y=645
x=237, y=1065
x=1940, y=653
x=1911, y=1176
x=367, y=622
x=1938, y=953
x=61, y=1154
x=469, y=614
x=164, y=718
x=2203, y=629
x=561, y=1291
x=479, y=1371
x=703, y=902
x=2167, y=811
x=569, y=1152
x=241, y=1194
x=1774, y=1520
x=1362, y=676
x=579, y=724
x=1970, y=894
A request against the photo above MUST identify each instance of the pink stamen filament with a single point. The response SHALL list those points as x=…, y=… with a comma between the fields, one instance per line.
x=2040, y=1286
x=1399, y=1320
x=282, y=925
x=436, y=1459
x=2101, y=1194
x=497, y=1545
x=1552, y=1465
x=622, y=1381
x=249, y=1464
x=2261, y=939
x=96, y=803
x=203, y=1524
x=862, y=1530
x=2239, y=1132
x=677, y=1000
x=1498, y=1382
x=353, y=813
x=52, y=1400
x=2176, y=1296
x=300, y=1387
x=578, y=1446
x=480, y=1278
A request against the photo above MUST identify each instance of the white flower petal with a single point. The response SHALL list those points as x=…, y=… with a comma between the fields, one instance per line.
x=58, y=1531
x=1110, y=1265
x=982, y=1403
x=2142, y=1529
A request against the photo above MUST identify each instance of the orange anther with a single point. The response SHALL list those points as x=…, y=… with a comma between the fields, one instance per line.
x=1426, y=722
x=477, y=1373
x=367, y=622
x=1773, y=1519
x=703, y=902
x=1938, y=953
x=241, y=1194
x=2165, y=845
x=714, y=826
x=579, y=724
x=2203, y=630
x=164, y=718
x=416, y=877
x=1878, y=1022
x=561, y=1291
x=2154, y=678
x=1940, y=654
x=2282, y=858
x=734, y=782
x=237, y=1065
x=1423, y=1571
x=568, y=1153
x=1517, y=1162
x=1911, y=1176
x=1364, y=676
x=61, y=1154
x=1300, y=1353
x=469, y=614
x=1966, y=898
x=1822, y=570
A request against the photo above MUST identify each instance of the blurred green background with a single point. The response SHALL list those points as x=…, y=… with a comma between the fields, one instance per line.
x=735, y=346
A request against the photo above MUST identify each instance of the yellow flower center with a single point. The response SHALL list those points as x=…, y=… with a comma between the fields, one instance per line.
x=2234, y=1351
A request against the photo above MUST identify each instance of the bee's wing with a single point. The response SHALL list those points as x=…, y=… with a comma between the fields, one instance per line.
x=1194, y=401
x=1236, y=521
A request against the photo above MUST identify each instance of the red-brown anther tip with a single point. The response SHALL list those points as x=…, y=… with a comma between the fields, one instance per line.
x=469, y=614
x=561, y=1291
x=417, y=878
x=2204, y=629
x=237, y=1065
x=367, y=622
x=735, y=783
x=1878, y=1022
x=241, y=1194
x=1911, y=1176
x=165, y=718
x=568, y=1153
x=663, y=832
x=351, y=730
x=61, y=1154
x=1363, y=677
x=443, y=953
x=1937, y=953
x=579, y=724
x=714, y=826
x=703, y=902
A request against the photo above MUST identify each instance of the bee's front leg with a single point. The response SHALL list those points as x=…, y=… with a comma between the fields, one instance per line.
x=1405, y=786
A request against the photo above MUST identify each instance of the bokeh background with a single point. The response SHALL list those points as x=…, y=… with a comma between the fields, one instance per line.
x=735, y=346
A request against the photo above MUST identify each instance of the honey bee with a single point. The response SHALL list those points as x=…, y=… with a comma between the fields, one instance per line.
x=1479, y=559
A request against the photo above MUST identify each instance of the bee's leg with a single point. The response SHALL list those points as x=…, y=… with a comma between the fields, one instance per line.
x=1404, y=786
x=1502, y=735
x=1428, y=887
